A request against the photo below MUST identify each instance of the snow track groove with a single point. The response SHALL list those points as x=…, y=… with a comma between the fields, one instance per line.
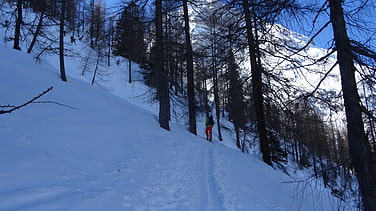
x=206, y=187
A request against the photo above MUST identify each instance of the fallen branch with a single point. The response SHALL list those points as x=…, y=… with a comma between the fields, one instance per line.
x=13, y=108
x=60, y=104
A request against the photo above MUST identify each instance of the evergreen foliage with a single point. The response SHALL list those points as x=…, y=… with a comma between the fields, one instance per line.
x=130, y=33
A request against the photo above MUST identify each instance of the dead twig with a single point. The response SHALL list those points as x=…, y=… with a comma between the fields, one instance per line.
x=57, y=103
x=13, y=108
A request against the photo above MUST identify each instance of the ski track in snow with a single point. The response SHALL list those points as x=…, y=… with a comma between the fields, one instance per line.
x=171, y=185
x=208, y=195
x=175, y=186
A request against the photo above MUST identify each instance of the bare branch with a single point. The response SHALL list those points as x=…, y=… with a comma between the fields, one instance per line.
x=318, y=85
x=57, y=103
x=13, y=108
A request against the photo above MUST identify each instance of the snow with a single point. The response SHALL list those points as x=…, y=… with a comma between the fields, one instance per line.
x=84, y=147
x=102, y=149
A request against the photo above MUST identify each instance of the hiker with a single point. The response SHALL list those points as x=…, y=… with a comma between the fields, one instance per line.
x=209, y=123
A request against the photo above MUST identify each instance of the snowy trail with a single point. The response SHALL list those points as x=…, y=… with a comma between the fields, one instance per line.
x=181, y=178
x=207, y=197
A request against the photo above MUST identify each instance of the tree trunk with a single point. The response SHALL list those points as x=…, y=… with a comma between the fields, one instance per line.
x=360, y=151
x=215, y=78
x=190, y=75
x=61, y=50
x=216, y=101
x=17, y=31
x=96, y=70
x=129, y=71
x=257, y=87
x=39, y=27
x=235, y=101
x=162, y=83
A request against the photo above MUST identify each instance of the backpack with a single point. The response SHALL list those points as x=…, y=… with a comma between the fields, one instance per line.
x=210, y=120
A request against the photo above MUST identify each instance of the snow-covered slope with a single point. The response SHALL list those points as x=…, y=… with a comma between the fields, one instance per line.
x=96, y=151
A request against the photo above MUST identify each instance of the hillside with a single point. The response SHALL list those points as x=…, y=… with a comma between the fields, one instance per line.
x=84, y=147
x=96, y=151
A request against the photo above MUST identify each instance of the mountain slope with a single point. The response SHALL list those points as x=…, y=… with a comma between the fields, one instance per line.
x=96, y=151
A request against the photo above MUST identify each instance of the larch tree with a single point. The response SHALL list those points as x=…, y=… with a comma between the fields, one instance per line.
x=129, y=37
x=36, y=33
x=162, y=82
x=41, y=7
x=236, y=100
x=190, y=73
x=362, y=156
x=17, y=31
x=61, y=41
x=257, y=91
x=214, y=17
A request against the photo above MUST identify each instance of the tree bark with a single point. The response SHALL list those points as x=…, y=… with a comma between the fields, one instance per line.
x=17, y=31
x=162, y=83
x=216, y=100
x=129, y=71
x=257, y=87
x=235, y=101
x=61, y=48
x=39, y=27
x=360, y=150
x=215, y=77
x=190, y=75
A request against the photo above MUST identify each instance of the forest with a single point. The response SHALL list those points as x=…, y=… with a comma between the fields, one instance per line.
x=287, y=99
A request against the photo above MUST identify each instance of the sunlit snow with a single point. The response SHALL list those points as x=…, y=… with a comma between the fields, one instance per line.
x=97, y=151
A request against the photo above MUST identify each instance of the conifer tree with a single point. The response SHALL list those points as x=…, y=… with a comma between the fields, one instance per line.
x=61, y=47
x=190, y=75
x=129, y=36
x=236, y=106
x=17, y=31
x=162, y=82
x=363, y=157
x=257, y=84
